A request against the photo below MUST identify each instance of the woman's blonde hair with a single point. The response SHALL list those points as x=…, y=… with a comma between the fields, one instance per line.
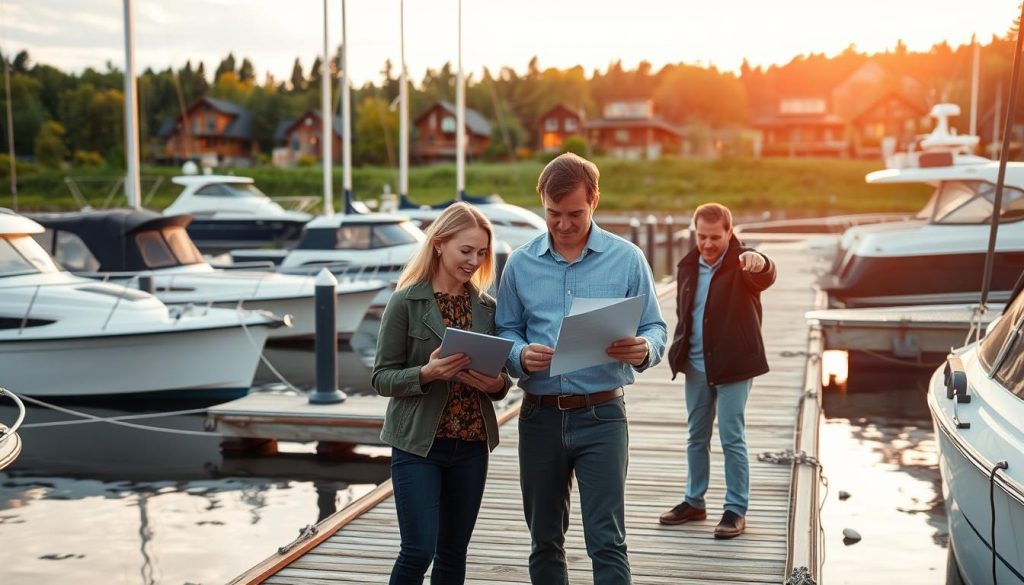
x=459, y=216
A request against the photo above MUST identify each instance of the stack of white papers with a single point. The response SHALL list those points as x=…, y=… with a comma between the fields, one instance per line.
x=590, y=327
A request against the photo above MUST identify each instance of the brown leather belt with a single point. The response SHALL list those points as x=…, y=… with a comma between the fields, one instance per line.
x=574, y=401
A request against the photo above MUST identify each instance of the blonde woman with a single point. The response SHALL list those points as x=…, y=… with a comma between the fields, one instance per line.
x=440, y=421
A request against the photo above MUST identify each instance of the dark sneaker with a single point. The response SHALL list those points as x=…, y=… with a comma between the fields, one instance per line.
x=731, y=526
x=682, y=514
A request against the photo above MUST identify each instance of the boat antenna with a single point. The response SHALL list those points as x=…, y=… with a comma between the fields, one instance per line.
x=460, y=122
x=346, y=114
x=403, y=116
x=10, y=119
x=326, y=118
x=132, y=183
x=1004, y=155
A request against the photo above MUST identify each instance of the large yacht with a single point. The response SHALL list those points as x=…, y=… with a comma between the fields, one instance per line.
x=938, y=256
x=230, y=212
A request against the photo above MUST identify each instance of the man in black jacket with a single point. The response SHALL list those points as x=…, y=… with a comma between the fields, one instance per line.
x=718, y=346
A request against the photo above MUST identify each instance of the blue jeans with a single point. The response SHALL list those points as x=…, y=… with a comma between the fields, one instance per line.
x=730, y=400
x=437, y=498
x=593, y=443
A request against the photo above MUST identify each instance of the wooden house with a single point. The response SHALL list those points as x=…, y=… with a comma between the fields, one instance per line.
x=557, y=124
x=434, y=134
x=210, y=129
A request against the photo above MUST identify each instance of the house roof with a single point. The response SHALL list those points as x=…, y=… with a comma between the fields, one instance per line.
x=562, y=106
x=633, y=123
x=916, y=105
x=475, y=121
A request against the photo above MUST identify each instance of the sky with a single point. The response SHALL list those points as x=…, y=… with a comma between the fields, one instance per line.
x=75, y=34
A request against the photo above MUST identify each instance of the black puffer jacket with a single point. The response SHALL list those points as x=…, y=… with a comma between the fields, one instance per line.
x=733, y=347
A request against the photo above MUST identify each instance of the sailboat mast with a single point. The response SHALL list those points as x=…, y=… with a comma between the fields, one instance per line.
x=346, y=112
x=460, y=122
x=403, y=106
x=326, y=123
x=132, y=183
x=10, y=134
x=974, y=87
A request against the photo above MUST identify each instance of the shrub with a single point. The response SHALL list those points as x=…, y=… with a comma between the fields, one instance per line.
x=88, y=158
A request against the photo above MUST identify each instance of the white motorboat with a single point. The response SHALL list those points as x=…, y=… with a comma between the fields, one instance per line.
x=355, y=246
x=63, y=335
x=230, y=212
x=123, y=245
x=512, y=224
x=937, y=257
x=976, y=405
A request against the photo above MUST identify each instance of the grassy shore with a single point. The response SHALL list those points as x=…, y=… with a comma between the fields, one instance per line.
x=794, y=186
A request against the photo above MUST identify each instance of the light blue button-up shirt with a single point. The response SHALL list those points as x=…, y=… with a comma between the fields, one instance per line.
x=700, y=297
x=536, y=292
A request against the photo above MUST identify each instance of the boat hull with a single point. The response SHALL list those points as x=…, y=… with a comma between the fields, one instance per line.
x=879, y=281
x=351, y=309
x=965, y=489
x=220, y=359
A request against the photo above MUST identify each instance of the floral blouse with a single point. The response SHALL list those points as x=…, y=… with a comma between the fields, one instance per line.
x=461, y=418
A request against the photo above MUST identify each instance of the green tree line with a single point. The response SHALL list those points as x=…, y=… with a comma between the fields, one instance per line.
x=77, y=118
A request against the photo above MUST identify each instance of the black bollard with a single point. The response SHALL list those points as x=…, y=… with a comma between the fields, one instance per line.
x=670, y=245
x=634, y=231
x=652, y=248
x=146, y=283
x=326, y=391
x=501, y=254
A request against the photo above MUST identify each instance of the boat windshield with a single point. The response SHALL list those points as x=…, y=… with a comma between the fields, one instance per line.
x=230, y=190
x=1002, y=350
x=21, y=255
x=167, y=247
x=377, y=235
x=972, y=202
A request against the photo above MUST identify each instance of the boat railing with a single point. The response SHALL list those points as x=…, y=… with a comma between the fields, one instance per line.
x=7, y=432
x=73, y=184
x=35, y=295
x=297, y=202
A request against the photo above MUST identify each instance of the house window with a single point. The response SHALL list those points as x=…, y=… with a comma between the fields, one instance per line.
x=570, y=125
x=195, y=126
x=295, y=145
x=551, y=124
x=211, y=125
x=448, y=124
x=622, y=136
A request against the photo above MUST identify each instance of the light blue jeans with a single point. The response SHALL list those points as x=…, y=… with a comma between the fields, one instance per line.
x=730, y=400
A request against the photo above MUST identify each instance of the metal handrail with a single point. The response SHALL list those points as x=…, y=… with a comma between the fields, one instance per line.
x=28, y=311
x=21, y=415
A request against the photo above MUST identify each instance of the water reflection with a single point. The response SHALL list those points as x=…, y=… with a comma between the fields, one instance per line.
x=878, y=445
x=95, y=503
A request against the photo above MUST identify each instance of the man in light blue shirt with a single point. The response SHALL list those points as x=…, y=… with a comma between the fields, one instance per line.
x=574, y=423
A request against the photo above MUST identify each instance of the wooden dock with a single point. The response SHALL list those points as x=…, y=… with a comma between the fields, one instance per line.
x=359, y=544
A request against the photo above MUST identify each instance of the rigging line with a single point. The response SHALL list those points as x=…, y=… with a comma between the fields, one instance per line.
x=62, y=423
x=77, y=413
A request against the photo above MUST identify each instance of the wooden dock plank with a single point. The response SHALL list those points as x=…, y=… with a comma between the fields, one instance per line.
x=363, y=549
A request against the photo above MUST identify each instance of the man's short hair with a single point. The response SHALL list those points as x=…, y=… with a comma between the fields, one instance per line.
x=713, y=213
x=565, y=174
